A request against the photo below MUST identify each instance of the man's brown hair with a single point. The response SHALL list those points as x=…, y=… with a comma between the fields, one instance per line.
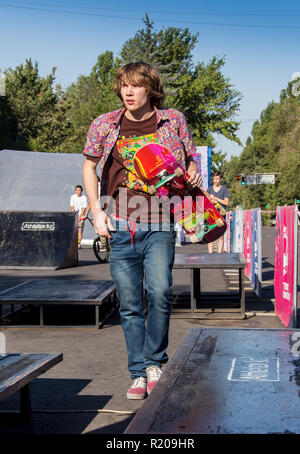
x=141, y=73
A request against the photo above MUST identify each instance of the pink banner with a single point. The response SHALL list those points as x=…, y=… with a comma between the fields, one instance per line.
x=284, y=264
x=247, y=239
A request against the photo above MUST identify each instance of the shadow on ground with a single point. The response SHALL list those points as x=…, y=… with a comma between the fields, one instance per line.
x=57, y=407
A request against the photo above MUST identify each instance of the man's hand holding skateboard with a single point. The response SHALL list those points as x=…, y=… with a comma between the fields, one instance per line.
x=195, y=179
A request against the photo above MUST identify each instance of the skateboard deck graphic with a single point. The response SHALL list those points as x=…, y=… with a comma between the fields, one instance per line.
x=127, y=148
x=166, y=177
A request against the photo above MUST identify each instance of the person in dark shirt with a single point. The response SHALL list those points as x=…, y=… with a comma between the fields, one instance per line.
x=139, y=248
x=218, y=194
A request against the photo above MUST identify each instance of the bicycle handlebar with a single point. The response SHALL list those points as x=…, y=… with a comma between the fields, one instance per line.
x=86, y=217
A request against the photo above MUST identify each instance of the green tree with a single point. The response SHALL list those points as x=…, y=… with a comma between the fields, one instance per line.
x=143, y=46
x=7, y=123
x=218, y=161
x=274, y=147
x=31, y=100
x=206, y=97
x=55, y=127
x=209, y=102
x=168, y=50
x=89, y=97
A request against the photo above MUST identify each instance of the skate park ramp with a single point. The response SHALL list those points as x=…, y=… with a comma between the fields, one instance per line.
x=35, y=181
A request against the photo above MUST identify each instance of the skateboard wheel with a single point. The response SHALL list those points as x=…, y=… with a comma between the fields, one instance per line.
x=151, y=189
x=178, y=172
x=219, y=222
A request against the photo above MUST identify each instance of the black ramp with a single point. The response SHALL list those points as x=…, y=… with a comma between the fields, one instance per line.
x=38, y=181
x=35, y=181
x=227, y=381
x=38, y=240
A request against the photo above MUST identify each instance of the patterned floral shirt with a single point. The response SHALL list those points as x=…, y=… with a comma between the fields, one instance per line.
x=172, y=132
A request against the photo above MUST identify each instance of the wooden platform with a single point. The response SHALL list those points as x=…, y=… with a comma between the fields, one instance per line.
x=17, y=370
x=46, y=292
x=237, y=381
x=226, y=307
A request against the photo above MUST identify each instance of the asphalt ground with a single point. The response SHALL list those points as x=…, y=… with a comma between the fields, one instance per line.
x=86, y=392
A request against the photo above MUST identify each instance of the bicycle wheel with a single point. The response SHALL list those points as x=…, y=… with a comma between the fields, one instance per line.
x=101, y=250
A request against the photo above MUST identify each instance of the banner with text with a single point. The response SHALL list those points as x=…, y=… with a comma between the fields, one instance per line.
x=247, y=241
x=232, y=224
x=203, y=160
x=202, y=157
x=243, y=235
x=284, y=274
x=237, y=243
x=256, y=252
x=227, y=245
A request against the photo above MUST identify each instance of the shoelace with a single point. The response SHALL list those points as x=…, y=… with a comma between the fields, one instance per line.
x=139, y=383
x=155, y=374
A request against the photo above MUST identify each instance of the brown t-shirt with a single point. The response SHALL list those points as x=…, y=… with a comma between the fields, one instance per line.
x=123, y=184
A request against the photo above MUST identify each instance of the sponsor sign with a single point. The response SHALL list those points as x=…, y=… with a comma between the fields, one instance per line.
x=284, y=264
x=251, y=179
x=227, y=233
x=203, y=160
x=237, y=237
x=265, y=178
x=38, y=226
x=256, y=268
x=247, y=246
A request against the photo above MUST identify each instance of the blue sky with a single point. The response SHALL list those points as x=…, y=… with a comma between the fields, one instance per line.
x=260, y=40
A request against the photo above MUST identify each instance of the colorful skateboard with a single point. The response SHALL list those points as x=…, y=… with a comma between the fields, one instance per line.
x=166, y=177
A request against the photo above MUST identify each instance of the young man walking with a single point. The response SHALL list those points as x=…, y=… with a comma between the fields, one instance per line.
x=79, y=203
x=218, y=194
x=143, y=238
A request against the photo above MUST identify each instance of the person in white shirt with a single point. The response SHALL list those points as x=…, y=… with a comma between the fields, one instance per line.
x=79, y=203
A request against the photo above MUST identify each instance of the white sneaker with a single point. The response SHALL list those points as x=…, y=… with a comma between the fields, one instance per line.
x=153, y=375
x=138, y=389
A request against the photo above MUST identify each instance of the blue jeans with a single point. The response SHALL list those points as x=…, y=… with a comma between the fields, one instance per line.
x=151, y=252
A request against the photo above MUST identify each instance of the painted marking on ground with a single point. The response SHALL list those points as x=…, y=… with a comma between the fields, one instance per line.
x=254, y=369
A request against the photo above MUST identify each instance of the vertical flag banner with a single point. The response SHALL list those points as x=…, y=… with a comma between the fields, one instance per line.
x=203, y=160
x=238, y=231
x=247, y=246
x=232, y=225
x=227, y=233
x=285, y=264
x=226, y=237
x=256, y=246
x=202, y=157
